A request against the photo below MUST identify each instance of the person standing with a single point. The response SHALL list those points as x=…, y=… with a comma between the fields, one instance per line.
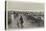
x=21, y=21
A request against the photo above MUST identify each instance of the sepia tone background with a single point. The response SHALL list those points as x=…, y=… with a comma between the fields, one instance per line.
x=26, y=10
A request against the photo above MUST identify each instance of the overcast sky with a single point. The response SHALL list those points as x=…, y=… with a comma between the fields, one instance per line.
x=25, y=6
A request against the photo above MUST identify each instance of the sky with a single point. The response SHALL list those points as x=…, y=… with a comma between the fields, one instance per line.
x=25, y=6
